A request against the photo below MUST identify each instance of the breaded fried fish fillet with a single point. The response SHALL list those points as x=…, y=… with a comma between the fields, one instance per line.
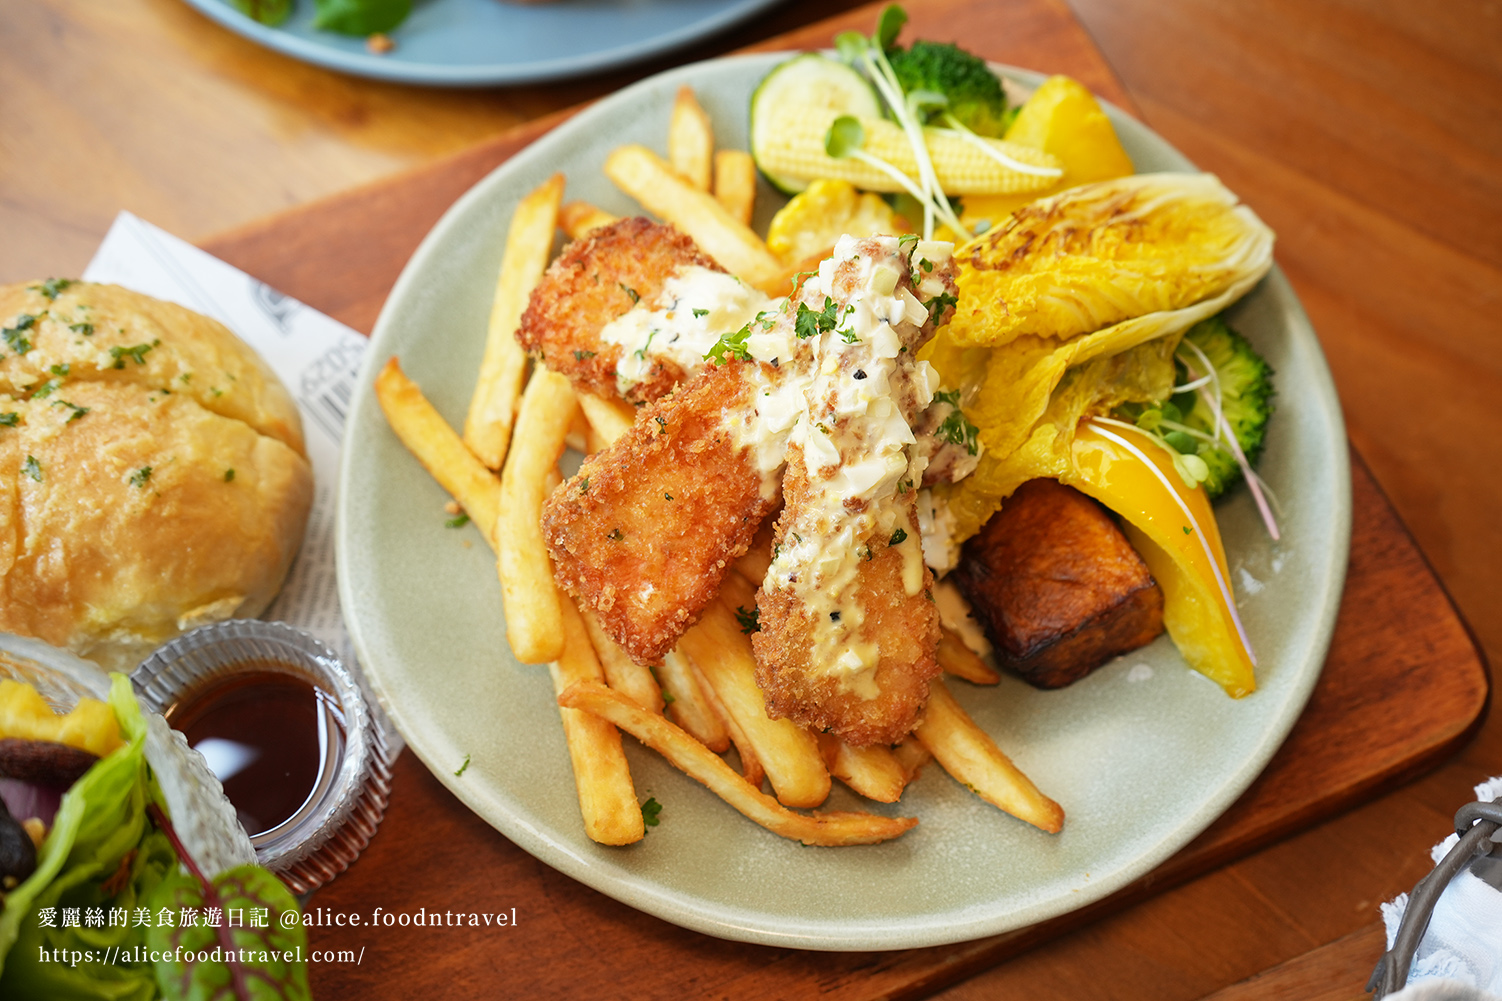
x=848, y=624
x=631, y=309
x=647, y=529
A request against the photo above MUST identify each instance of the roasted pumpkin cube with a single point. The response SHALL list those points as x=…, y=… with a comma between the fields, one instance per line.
x=1057, y=586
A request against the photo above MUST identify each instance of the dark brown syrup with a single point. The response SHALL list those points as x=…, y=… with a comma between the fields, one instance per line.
x=272, y=737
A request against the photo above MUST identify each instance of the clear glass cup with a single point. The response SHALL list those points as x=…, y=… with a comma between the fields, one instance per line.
x=340, y=815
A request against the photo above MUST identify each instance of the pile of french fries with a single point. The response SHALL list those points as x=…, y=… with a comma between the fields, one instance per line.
x=703, y=697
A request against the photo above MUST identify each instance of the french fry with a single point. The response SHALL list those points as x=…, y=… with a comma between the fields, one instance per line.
x=687, y=705
x=872, y=771
x=972, y=757
x=912, y=756
x=788, y=753
x=690, y=139
x=643, y=175
x=577, y=219
x=959, y=660
x=754, y=562
x=578, y=433
x=607, y=797
x=533, y=623
x=735, y=183
x=621, y=672
x=529, y=242
x=751, y=769
x=436, y=445
x=609, y=418
x=704, y=766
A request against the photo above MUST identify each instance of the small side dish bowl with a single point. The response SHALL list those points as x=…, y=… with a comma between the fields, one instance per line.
x=351, y=778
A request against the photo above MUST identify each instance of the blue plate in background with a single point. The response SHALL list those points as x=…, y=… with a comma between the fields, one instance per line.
x=466, y=43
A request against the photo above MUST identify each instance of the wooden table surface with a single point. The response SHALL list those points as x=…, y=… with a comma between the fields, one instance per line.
x=1368, y=134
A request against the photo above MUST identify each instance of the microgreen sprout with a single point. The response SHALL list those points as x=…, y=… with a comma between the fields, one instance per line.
x=870, y=54
x=958, y=129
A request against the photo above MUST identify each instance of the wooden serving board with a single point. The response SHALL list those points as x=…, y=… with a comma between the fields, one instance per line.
x=1404, y=685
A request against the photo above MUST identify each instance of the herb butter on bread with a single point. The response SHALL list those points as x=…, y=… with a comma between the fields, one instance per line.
x=152, y=471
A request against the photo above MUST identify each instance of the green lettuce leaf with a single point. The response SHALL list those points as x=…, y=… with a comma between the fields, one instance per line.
x=100, y=836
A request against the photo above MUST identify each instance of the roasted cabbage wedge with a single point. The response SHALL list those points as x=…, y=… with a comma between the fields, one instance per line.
x=1102, y=253
x=1075, y=307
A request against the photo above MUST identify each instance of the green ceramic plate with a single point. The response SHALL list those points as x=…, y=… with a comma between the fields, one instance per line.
x=1143, y=754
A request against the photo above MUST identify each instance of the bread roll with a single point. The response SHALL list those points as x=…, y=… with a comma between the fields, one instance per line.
x=152, y=471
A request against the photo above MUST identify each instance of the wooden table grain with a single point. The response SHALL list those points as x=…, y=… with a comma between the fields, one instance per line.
x=1367, y=132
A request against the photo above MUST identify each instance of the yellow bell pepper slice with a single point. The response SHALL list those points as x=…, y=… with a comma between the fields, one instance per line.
x=1063, y=118
x=1173, y=528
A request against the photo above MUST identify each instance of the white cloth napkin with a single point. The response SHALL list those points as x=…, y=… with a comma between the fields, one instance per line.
x=1460, y=957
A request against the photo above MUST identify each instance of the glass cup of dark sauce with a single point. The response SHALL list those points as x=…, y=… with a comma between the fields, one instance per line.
x=286, y=729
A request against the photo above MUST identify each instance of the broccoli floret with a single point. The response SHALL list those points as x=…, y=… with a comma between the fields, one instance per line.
x=974, y=92
x=1246, y=396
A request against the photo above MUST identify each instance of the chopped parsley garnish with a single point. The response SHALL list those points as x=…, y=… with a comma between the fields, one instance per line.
x=460, y=770
x=229, y=476
x=46, y=389
x=583, y=355
x=701, y=313
x=32, y=468
x=18, y=341
x=458, y=521
x=59, y=369
x=662, y=425
x=584, y=485
x=140, y=477
x=616, y=535
x=848, y=336
x=925, y=265
x=641, y=352
x=77, y=410
x=731, y=345
x=631, y=292
x=898, y=537
x=938, y=304
x=136, y=353
x=651, y=813
x=667, y=697
x=52, y=286
x=10, y=420
x=957, y=429
x=667, y=496
x=907, y=240
x=809, y=322
x=25, y=321
x=87, y=329
x=750, y=621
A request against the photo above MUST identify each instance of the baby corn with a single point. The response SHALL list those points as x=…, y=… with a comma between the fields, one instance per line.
x=962, y=169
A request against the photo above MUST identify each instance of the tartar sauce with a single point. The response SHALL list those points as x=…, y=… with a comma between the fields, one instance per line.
x=845, y=412
x=696, y=306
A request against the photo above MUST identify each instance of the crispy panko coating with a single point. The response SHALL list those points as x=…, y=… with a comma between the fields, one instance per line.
x=903, y=627
x=591, y=283
x=849, y=629
x=647, y=529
